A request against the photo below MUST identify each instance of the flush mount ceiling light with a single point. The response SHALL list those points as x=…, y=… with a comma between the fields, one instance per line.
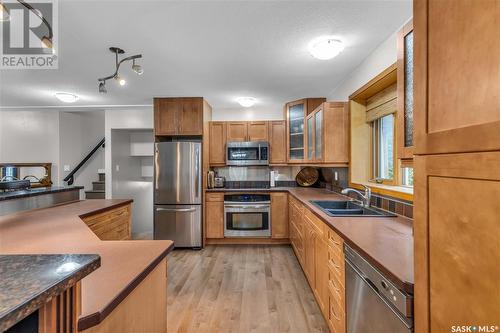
x=246, y=101
x=325, y=47
x=66, y=97
x=121, y=81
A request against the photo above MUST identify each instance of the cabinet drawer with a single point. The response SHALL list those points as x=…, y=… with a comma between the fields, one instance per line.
x=336, y=266
x=318, y=224
x=214, y=196
x=335, y=240
x=109, y=214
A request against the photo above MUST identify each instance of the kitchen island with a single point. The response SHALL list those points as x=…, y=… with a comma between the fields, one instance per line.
x=126, y=294
x=39, y=197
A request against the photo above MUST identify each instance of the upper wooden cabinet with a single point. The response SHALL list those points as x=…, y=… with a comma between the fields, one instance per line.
x=217, y=151
x=258, y=131
x=295, y=114
x=277, y=142
x=457, y=76
x=179, y=116
x=247, y=131
x=237, y=131
x=405, y=92
x=327, y=129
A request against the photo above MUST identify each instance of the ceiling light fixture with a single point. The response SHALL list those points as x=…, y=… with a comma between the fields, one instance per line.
x=4, y=13
x=102, y=87
x=246, y=101
x=66, y=97
x=137, y=68
x=325, y=47
x=121, y=81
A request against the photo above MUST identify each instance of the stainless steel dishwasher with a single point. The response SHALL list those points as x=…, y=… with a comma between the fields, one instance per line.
x=373, y=303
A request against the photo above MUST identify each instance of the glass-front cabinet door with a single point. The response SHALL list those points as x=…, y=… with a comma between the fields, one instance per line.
x=296, y=118
x=318, y=135
x=310, y=138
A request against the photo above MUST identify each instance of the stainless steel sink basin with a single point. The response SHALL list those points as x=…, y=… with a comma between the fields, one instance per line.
x=348, y=208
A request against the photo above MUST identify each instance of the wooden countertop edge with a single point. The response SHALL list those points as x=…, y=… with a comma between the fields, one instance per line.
x=97, y=317
x=404, y=285
x=104, y=209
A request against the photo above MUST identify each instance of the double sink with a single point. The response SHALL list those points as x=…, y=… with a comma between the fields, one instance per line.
x=348, y=208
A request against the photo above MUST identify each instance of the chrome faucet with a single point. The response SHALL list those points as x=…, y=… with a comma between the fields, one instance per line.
x=366, y=197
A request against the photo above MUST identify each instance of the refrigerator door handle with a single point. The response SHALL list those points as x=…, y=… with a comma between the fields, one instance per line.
x=197, y=172
x=185, y=210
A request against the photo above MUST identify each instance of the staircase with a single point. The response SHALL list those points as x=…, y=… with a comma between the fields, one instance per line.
x=98, y=188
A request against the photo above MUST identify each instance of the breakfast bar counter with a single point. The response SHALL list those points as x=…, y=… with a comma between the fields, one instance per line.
x=61, y=230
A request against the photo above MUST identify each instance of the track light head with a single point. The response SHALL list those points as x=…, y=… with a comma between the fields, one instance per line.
x=102, y=87
x=137, y=68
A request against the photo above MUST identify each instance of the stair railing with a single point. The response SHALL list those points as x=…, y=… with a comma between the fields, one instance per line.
x=71, y=177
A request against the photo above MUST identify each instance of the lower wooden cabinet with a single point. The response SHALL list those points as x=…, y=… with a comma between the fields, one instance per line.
x=320, y=253
x=279, y=215
x=214, y=215
x=113, y=224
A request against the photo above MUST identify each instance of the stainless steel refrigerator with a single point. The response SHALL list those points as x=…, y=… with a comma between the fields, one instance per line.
x=177, y=193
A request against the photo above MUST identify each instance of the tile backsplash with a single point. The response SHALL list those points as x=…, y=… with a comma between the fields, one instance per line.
x=334, y=179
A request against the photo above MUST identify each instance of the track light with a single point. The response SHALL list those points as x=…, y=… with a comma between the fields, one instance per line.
x=102, y=87
x=4, y=13
x=137, y=68
x=121, y=81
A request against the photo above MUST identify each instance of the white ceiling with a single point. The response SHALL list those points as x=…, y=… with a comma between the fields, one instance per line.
x=216, y=49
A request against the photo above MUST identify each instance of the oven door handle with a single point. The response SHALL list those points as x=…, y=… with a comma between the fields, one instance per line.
x=247, y=206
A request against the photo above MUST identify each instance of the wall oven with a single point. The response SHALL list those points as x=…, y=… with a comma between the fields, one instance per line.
x=247, y=215
x=247, y=153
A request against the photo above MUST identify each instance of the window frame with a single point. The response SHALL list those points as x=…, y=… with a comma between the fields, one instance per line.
x=374, y=153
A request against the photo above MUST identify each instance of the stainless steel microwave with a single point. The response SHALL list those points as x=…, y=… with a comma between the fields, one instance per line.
x=247, y=153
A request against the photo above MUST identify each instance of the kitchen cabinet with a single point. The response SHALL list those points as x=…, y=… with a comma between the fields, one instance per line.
x=459, y=114
x=237, y=131
x=295, y=114
x=114, y=224
x=328, y=134
x=319, y=251
x=279, y=215
x=277, y=142
x=247, y=131
x=217, y=151
x=179, y=116
x=405, y=92
x=457, y=183
x=214, y=215
x=258, y=131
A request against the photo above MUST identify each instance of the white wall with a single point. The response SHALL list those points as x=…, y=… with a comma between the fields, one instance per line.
x=30, y=136
x=381, y=58
x=122, y=119
x=127, y=182
x=248, y=114
x=79, y=132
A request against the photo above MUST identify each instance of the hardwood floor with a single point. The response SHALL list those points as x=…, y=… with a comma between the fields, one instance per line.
x=240, y=288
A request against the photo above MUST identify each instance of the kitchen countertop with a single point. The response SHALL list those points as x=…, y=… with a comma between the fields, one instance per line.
x=36, y=191
x=27, y=282
x=386, y=242
x=59, y=229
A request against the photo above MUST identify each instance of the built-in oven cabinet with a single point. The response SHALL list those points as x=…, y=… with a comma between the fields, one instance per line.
x=295, y=114
x=279, y=215
x=214, y=215
x=327, y=134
